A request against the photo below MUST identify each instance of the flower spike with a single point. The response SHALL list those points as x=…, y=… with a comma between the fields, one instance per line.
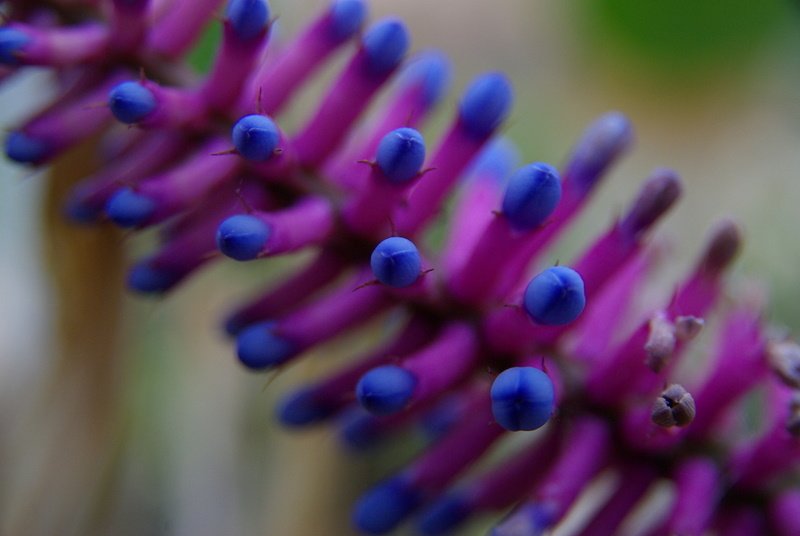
x=464, y=347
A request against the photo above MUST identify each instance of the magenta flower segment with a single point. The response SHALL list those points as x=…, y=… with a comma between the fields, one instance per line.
x=488, y=335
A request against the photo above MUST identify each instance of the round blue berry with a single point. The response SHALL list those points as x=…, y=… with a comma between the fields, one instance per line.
x=385, y=390
x=384, y=506
x=522, y=399
x=248, y=17
x=396, y=262
x=128, y=209
x=255, y=137
x=385, y=45
x=555, y=297
x=532, y=194
x=258, y=347
x=242, y=237
x=485, y=104
x=401, y=154
x=25, y=149
x=12, y=41
x=347, y=16
x=130, y=102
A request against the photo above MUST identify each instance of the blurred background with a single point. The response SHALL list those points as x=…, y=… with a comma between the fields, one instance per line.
x=129, y=415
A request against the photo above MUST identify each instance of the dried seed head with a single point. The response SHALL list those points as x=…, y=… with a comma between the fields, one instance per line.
x=785, y=360
x=660, y=343
x=688, y=327
x=675, y=407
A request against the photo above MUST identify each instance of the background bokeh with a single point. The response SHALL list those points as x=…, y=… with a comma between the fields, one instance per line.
x=188, y=443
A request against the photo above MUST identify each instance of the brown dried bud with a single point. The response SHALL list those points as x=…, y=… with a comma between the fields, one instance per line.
x=660, y=343
x=675, y=407
x=725, y=243
x=688, y=327
x=785, y=360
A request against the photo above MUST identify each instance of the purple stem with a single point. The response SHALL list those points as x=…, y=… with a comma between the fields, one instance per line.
x=71, y=121
x=623, y=373
x=598, y=325
x=129, y=24
x=472, y=214
x=279, y=78
x=600, y=146
x=445, y=362
x=633, y=484
x=177, y=30
x=63, y=46
x=179, y=188
x=583, y=455
x=329, y=396
x=452, y=156
x=290, y=293
x=333, y=313
x=367, y=212
x=783, y=512
x=458, y=449
x=739, y=364
x=223, y=86
x=408, y=105
x=308, y=222
x=176, y=108
x=150, y=154
x=184, y=252
x=742, y=521
x=697, y=483
x=347, y=98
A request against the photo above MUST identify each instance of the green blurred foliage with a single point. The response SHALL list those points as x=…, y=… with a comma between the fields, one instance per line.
x=685, y=37
x=204, y=50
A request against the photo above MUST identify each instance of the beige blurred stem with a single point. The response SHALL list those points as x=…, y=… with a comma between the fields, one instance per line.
x=70, y=439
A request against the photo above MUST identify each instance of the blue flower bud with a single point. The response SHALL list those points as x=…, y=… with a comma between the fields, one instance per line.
x=555, y=297
x=401, y=154
x=255, y=137
x=485, y=104
x=522, y=399
x=248, y=17
x=532, y=194
x=385, y=44
x=242, y=237
x=12, y=41
x=258, y=347
x=347, y=16
x=604, y=140
x=385, y=390
x=384, y=506
x=26, y=150
x=359, y=428
x=130, y=102
x=531, y=519
x=127, y=209
x=147, y=279
x=396, y=262
x=301, y=409
x=444, y=515
x=497, y=160
x=433, y=70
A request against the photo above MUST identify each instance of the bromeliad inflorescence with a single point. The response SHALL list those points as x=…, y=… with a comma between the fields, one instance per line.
x=481, y=345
